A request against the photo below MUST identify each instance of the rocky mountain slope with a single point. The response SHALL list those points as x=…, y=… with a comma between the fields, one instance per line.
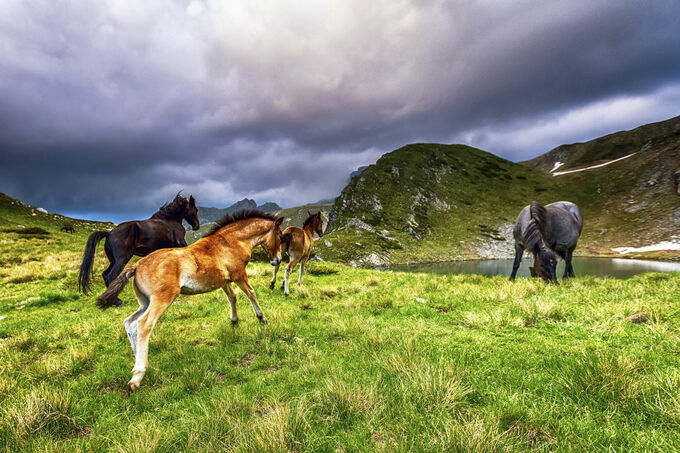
x=209, y=214
x=645, y=138
x=292, y=216
x=431, y=202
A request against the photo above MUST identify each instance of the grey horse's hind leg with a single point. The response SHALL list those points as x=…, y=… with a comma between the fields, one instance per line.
x=132, y=321
x=568, y=268
x=519, y=251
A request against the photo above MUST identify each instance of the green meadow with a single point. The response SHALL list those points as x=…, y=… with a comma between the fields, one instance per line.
x=354, y=360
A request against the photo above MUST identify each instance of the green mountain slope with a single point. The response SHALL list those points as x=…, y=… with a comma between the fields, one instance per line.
x=431, y=202
x=640, y=140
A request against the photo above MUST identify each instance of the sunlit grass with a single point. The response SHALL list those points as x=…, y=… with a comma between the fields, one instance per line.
x=353, y=360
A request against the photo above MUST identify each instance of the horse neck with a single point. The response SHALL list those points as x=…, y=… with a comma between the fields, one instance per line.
x=309, y=229
x=177, y=219
x=250, y=232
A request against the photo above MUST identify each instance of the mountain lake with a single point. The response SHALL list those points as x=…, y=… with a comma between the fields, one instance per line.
x=583, y=265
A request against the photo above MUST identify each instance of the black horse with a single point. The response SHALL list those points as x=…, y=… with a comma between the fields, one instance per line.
x=139, y=237
x=546, y=231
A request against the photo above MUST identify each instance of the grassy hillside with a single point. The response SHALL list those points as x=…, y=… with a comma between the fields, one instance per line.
x=355, y=360
x=30, y=238
x=644, y=139
x=431, y=202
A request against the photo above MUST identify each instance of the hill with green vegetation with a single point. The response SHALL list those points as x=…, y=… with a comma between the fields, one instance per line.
x=643, y=139
x=432, y=202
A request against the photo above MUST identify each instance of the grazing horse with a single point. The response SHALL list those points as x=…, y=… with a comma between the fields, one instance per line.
x=214, y=261
x=139, y=237
x=546, y=231
x=67, y=229
x=298, y=243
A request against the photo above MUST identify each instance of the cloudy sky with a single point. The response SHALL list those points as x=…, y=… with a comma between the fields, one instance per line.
x=108, y=108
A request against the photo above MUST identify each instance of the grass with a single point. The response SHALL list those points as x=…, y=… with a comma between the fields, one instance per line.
x=354, y=360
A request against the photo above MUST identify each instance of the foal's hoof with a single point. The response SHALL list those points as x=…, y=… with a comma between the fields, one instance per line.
x=131, y=387
x=234, y=322
x=271, y=285
x=286, y=294
x=263, y=320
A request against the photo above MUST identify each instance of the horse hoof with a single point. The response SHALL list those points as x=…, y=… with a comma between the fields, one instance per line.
x=118, y=303
x=234, y=322
x=131, y=387
x=286, y=294
x=263, y=320
x=272, y=285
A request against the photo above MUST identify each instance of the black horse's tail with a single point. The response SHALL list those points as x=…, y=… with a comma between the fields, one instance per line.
x=285, y=242
x=109, y=297
x=88, y=260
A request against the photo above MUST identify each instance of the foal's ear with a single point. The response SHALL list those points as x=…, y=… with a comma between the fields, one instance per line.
x=279, y=221
x=192, y=202
x=309, y=214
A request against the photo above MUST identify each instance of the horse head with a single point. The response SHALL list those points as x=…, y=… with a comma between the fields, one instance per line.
x=545, y=264
x=317, y=223
x=272, y=243
x=191, y=213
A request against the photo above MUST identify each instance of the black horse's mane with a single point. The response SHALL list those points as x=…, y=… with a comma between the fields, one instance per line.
x=309, y=219
x=240, y=215
x=173, y=210
x=533, y=233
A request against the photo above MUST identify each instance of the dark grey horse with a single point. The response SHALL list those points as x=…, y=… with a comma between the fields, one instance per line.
x=546, y=231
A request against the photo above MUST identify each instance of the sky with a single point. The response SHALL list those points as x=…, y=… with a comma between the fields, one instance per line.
x=109, y=108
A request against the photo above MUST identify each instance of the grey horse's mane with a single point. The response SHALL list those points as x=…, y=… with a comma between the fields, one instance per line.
x=533, y=233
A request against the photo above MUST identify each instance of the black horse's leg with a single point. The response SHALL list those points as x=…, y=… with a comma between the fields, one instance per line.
x=568, y=268
x=118, y=265
x=519, y=251
x=106, y=274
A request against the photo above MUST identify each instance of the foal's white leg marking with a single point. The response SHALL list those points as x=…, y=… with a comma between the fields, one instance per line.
x=146, y=322
x=131, y=322
x=246, y=288
x=232, y=301
x=302, y=269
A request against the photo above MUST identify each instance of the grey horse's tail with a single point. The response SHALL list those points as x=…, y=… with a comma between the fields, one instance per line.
x=109, y=297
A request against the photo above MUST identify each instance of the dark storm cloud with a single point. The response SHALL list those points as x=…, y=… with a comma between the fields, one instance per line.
x=109, y=109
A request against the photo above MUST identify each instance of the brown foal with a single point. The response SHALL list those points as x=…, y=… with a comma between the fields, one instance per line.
x=298, y=243
x=213, y=262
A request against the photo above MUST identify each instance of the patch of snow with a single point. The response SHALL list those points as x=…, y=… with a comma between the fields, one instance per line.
x=592, y=166
x=664, y=245
x=44, y=211
x=558, y=164
x=420, y=299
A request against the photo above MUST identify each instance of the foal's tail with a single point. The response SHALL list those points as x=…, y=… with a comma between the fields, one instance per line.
x=116, y=287
x=285, y=242
x=88, y=260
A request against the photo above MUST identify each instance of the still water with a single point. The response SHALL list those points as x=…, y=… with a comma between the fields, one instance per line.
x=599, y=267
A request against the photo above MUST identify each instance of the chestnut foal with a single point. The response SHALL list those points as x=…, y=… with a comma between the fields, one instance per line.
x=213, y=262
x=298, y=243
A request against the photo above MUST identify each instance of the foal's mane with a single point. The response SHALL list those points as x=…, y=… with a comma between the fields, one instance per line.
x=533, y=233
x=172, y=210
x=240, y=215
